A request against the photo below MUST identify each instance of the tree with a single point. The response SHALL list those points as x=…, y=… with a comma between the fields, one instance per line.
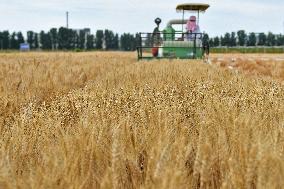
x=205, y=39
x=20, y=38
x=222, y=41
x=241, y=38
x=280, y=40
x=66, y=38
x=90, y=42
x=137, y=39
x=261, y=39
x=128, y=42
x=73, y=37
x=45, y=40
x=54, y=38
x=81, y=39
x=227, y=40
x=109, y=38
x=211, y=42
x=6, y=39
x=62, y=38
x=31, y=39
x=233, y=39
x=148, y=40
x=1, y=40
x=75, y=40
x=99, y=39
x=36, y=42
x=270, y=39
x=42, y=39
x=216, y=42
x=115, y=44
x=251, y=39
x=13, y=41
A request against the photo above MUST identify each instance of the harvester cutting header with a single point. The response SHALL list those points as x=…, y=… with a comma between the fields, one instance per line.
x=186, y=43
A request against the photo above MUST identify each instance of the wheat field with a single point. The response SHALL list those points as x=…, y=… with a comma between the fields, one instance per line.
x=104, y=120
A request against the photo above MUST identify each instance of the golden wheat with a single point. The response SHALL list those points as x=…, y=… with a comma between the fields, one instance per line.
x=104, y=120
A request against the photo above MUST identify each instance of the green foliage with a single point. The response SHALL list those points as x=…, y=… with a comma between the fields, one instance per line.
x=54, y=38
x=1, y=40
x=227, y=40
x=280, y=40
x=111, y=40
x=5, y=39
x=36, y=42
x=242, y=37
x=31, y=39
x=216, y=42
x=205, y=38
x=211, y=42
x=82, y=39
x=109, y=37
x=233, y=39
x=66, y=39
x=271, y=41
x=99, y=39
x=261, y=39
x=116, y=42
x=90, y=42
x=13, y=41
x=251, y=40
x=128, y=42
x=20, y=38
x=69, y=39
x=45, y=40
x=78, y=50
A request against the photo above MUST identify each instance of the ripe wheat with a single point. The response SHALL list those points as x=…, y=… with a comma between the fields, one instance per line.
x=104, y=120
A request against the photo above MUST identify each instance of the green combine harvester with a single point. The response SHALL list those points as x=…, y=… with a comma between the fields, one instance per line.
x=187, y=43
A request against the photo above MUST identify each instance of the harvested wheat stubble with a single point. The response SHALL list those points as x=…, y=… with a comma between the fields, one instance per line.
x=102, y=120
x=260, y=64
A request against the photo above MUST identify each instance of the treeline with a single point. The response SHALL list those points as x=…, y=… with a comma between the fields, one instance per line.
x=69, y=39
x=241, y=38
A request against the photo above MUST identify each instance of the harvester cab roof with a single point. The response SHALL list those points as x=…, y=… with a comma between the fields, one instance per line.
x=192, y=8
x=170, y=43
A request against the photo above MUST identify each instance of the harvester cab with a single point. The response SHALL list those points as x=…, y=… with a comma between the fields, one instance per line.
x=187, y=42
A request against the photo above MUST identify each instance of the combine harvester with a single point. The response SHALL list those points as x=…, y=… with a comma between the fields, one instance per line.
x=188, y=43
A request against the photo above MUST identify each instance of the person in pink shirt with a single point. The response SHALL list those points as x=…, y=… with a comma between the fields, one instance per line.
x=192, y=28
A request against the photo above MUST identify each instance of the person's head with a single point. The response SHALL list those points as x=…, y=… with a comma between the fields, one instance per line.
x=191, y=24
x=158, y=21
x=192, y=19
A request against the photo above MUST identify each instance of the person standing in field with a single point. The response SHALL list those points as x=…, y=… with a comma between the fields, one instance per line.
x=156, y=32
x=156, y=38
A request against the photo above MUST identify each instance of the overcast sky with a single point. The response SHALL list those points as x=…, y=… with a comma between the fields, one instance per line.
x=135, y=16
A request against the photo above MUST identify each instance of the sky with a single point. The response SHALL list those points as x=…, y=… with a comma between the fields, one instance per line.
x=138, y=16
